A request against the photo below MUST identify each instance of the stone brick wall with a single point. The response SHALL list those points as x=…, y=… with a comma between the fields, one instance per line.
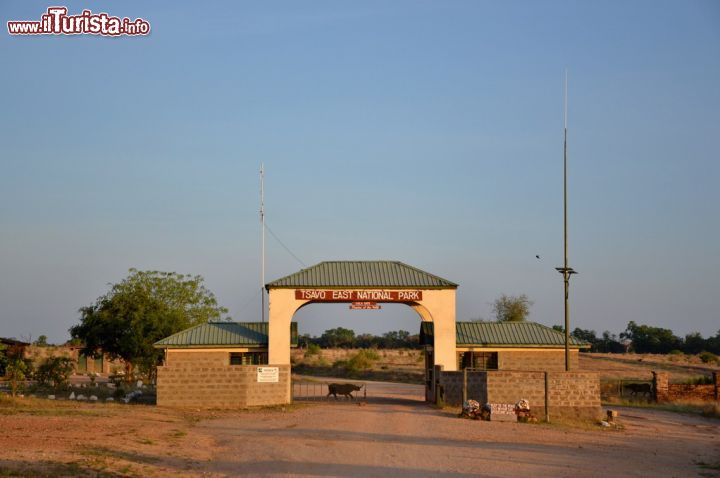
x=681, y=391
x=208, y=359
x=668, y=392
x=204, y=384
x=569, y=393
x=551, y=360
x=510, y=387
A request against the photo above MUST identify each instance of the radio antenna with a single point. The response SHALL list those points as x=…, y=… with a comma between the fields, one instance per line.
x=566, y=270
x=262, y=241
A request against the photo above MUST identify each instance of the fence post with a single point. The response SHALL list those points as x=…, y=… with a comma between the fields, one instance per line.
x=547, y=399
x=661, y=386
x=464, y=396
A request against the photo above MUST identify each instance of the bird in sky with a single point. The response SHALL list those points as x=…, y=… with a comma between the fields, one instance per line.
x=537, y=256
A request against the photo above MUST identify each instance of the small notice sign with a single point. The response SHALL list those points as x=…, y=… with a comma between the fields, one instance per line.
x=268, y=374
x=364, y=306
x=503, y=412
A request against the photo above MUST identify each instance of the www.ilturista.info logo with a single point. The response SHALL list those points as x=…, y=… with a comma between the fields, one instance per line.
x=57, y=22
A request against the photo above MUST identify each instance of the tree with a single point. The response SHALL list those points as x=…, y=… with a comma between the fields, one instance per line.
x=3, y=359
x=339, y=337
x=145, y=307
x=609, y=343
x=41, y=341
x=508, y=308
x=588, y=336
x=16, y=371
x=585, y=335
x=654, y=340
x=694, y=343
x=713, y=343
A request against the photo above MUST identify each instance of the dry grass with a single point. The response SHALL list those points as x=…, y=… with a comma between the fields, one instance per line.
x=641, y=366
x=408, y=365
x=402, y=366
x=42, y=407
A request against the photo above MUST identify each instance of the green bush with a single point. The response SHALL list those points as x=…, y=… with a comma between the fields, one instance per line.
x=708, y=357
x=704, y=380
x=371, y=354
x=363, y=360
x=17, y=371
x=55, y=372
x=676, y=352
x=312, y=349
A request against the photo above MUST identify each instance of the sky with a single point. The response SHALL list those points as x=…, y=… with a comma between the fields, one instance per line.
x=428, y=132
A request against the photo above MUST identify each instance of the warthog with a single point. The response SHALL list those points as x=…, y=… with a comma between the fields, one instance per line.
x=343, y=389
x=637, y=389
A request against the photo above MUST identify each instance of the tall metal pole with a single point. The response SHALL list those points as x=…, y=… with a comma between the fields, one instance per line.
x=566, y=270
x=566, y=277
x=262, y=240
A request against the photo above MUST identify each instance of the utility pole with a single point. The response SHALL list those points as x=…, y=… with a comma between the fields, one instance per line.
x=262, y=241
x=566, y=271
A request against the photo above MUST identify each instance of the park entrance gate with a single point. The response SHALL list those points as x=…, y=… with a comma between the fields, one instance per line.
x=364, y=283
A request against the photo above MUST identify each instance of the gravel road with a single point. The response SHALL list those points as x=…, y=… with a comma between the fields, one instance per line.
x=397, y=435
x=394, y=434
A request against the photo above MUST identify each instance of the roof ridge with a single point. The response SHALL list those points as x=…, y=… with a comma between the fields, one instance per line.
x=362, y=273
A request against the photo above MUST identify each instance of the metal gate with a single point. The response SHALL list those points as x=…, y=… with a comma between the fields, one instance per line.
x=627, y=389
x=315, y=391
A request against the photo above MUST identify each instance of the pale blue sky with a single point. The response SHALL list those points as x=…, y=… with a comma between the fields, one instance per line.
x=423, y=131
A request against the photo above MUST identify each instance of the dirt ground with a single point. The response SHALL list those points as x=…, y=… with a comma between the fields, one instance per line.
x=394, y=434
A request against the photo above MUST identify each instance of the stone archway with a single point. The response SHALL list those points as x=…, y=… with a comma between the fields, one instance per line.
x=432, y=297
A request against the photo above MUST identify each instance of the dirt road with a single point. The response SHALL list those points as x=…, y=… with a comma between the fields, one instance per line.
x=409, y=439
x=397, y=438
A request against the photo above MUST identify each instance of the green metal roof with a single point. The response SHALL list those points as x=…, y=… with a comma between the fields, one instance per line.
x=363, y=274
x=223, y=334
x=503, y=334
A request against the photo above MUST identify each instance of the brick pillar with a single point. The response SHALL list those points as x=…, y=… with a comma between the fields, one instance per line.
x=661, y=385
x=716, y=382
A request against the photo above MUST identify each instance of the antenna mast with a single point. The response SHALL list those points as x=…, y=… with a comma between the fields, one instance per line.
x=262, y=241
x=565, y=270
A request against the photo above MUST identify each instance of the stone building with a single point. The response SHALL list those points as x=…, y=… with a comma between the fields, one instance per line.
x=220, y=364
x=503, y=362
x=506, y=346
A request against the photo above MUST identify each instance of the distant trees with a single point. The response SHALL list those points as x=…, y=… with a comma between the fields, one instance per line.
x=648, y=339
x=509, y=308
x=608, y=343
x=41, y=341
x=346, y=338
x=640, y=338
x=338, y=338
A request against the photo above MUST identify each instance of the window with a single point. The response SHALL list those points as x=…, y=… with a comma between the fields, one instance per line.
x=478, y=360
x=248, y=358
